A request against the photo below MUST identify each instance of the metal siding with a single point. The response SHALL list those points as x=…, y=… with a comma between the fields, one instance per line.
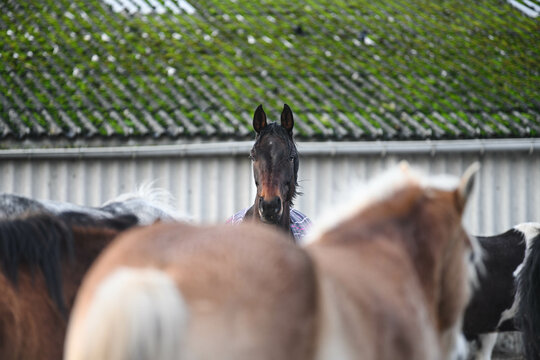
x=211, y=189
x=505, y=193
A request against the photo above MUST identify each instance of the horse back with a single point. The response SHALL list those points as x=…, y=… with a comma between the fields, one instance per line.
x=249, y=292
x=372, y=304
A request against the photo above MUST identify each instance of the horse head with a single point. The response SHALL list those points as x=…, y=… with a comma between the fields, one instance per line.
x=457, y=254
x=407, y=227
x=275, y=167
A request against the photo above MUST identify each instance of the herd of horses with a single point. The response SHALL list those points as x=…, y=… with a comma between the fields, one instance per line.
x=392, y=274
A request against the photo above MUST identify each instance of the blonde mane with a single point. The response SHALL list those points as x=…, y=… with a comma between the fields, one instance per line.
x=379, y=189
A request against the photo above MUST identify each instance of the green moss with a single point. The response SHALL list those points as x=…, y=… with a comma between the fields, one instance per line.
x=455, y=58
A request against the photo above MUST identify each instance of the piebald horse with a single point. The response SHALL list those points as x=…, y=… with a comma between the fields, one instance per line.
x=494, y=303
x=528, y=297
x=389, y=280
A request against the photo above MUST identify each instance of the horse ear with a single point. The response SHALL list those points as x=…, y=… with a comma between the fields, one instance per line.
x=466, y=185
x=259, y=119
x=287, y=120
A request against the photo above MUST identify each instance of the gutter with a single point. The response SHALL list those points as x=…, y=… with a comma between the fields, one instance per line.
x=432, y=147
x=242, y=148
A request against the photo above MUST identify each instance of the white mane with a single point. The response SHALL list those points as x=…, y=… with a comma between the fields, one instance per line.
x=149, y=204
x=376, y=190
x=159, y=197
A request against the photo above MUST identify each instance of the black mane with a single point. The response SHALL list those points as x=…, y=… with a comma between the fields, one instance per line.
x=41, y=240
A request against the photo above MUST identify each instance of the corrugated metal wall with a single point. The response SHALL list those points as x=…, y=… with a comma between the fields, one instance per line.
x=507, y=191
x=211, y=189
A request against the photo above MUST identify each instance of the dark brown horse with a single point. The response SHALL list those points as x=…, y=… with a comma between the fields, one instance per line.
x=43, y=258
x=45, y=249
x=388, y=280
x=275, y=168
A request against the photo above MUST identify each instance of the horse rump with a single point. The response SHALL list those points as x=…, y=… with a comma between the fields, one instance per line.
x=135, y=313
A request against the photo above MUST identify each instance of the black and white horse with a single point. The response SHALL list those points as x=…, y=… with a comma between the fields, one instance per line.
x=494, y=305
x=528, y=298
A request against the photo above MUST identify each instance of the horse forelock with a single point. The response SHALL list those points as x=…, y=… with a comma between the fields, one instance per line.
x=275, y=129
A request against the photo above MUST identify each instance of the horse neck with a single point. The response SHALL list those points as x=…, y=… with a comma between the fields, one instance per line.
x=88, y=244
x=396, y=225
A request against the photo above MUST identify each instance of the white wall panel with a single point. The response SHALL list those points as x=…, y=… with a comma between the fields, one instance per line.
x=210, y=189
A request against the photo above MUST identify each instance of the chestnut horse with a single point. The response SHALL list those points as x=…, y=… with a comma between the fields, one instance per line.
x=389, y=280
x=275, y=169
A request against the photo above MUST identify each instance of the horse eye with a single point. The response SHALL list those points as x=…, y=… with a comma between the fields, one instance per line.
x=291, y=158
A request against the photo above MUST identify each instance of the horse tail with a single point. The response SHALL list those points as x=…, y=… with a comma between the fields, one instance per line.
x=134, y=314
x=528, y=293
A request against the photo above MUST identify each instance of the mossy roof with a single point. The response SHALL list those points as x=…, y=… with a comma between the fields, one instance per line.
x=366, y=70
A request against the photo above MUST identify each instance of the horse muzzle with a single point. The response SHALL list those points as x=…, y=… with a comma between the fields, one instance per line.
x=270, y=211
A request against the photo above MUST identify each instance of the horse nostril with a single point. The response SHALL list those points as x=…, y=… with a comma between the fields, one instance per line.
x=270, y=209
x=276, y=204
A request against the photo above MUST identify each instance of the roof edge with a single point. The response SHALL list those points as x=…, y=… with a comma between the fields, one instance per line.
x=240, y=148
x=479, y=146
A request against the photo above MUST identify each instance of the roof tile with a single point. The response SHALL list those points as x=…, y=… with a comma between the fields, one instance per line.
x=364, y=70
